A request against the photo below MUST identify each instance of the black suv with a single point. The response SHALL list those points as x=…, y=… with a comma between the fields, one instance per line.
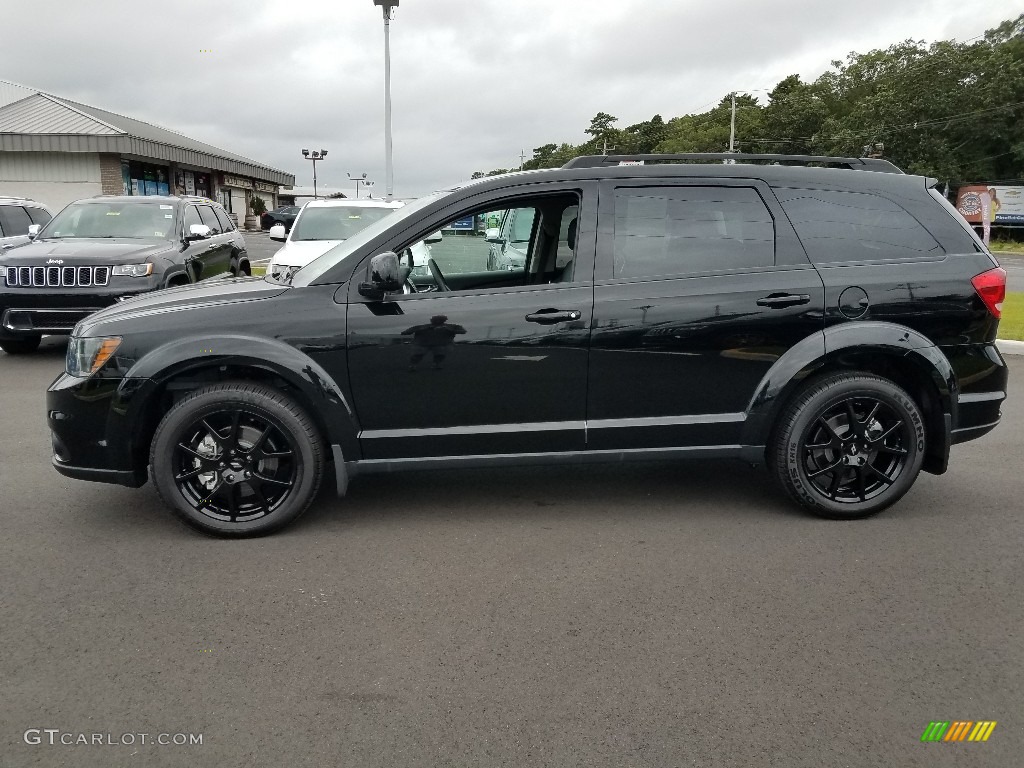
x=99, y=250
x=831, y=318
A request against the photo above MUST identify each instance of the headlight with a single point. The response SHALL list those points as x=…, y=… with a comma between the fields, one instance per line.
x=281, y=271
x=87, y=355
x=133, y=270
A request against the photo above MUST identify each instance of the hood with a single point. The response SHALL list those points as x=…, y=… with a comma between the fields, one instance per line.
x=299, y=253
x=225, y=291
x=76, y=252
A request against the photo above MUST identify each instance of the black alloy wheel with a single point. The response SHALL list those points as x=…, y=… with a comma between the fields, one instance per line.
x=849, y=446
x=236, y=460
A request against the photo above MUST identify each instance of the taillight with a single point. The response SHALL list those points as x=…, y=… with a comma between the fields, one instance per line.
x=991, y=287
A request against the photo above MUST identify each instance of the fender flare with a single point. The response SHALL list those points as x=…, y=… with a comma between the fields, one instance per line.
x=331, y=410
x=830, y=346
x=173, y=272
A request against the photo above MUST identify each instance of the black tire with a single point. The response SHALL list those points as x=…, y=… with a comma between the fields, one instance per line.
x=26, y=345
x=243, y=270
x=848, y=446
x=211, y=464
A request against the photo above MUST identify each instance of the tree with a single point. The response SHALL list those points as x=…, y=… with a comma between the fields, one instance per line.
x=951, y=110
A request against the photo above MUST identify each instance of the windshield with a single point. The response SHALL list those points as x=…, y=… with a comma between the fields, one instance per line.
x=335, y=222
x=337, y=254
x=120, y=218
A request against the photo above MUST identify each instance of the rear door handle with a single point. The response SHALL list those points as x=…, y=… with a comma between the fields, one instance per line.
x=552, y=316
x=781, y=300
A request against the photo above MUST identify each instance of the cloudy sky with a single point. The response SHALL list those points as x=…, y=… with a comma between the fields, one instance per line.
x=474, y=81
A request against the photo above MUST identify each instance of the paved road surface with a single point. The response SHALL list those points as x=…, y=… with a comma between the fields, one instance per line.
x=661, y=615
x=1014, y=266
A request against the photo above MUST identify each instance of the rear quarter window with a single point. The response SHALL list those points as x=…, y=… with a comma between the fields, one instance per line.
x=839, y=226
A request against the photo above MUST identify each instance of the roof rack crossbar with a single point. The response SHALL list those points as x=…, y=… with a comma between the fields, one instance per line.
x=856, y=163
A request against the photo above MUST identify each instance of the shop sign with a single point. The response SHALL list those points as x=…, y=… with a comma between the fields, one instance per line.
x=263, y=186
x=236, y=181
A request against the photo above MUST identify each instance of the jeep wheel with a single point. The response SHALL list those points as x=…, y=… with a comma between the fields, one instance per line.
x=848, y=446
x=23, y=346
x=236, y=459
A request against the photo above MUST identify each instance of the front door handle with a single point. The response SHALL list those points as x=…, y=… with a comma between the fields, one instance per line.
x=552, y=316
x=781, y=300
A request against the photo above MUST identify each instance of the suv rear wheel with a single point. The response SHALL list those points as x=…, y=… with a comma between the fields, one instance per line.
x=22, y=346
x=236, y=459
x=848, y=446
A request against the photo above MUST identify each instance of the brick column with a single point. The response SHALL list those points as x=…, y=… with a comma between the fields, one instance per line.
x=110, y=174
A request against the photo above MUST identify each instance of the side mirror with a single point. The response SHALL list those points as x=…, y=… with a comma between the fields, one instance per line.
x=278, y=233
x=492, y=235
x=437, y=237
x=198, y=232
x=386, y=274
x=33, y=230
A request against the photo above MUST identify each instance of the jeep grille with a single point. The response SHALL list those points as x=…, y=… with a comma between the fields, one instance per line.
x=56, y=277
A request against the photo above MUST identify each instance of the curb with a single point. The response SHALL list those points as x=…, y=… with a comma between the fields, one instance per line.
x=1010, y=347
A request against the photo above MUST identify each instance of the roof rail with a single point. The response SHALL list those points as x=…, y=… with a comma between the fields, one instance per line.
x=854, y=163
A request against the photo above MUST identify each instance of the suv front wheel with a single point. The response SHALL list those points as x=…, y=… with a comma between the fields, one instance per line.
x=236, y=459
x=848, y=446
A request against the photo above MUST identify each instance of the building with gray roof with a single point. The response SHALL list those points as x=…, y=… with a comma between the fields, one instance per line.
x=55, y=150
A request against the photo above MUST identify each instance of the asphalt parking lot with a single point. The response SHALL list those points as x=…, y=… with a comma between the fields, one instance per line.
x=656, y=615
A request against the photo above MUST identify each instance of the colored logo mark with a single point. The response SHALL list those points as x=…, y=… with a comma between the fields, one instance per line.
x=958, y=730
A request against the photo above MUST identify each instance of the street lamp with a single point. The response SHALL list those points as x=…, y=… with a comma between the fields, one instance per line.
x=359, y=180
x=314, y=156
x=387, y=6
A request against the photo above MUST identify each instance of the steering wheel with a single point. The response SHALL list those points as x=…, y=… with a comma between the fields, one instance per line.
x=435, y=272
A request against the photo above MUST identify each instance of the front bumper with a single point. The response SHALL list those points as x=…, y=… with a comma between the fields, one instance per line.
x=31, y=311
x=94, y=429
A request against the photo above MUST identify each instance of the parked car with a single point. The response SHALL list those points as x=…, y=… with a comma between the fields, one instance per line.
x=284, y=215
x=323, y=224
x=17, y=216
x=104, y=249
x=510, y=240
x=829, y=318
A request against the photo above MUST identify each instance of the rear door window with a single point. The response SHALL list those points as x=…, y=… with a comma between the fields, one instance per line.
x=225, y=222
x=209, y=219
x=836, y=226
x=673, y=231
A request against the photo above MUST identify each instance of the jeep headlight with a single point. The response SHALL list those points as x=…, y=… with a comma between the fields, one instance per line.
x=88, y=354
x=133, y=270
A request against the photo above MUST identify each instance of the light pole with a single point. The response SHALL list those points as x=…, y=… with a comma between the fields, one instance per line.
x=387, y=6
x=314, y=156
x=359, y=180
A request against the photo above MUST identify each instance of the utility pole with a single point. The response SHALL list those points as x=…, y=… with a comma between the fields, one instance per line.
x=314, y=156
x=606, y=147
x=358, y=180
x=522, y=158
x=387, y=6
x=732, y=128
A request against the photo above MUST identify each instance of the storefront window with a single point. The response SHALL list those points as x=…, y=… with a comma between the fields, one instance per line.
x=147, y=179
x=202, y=184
